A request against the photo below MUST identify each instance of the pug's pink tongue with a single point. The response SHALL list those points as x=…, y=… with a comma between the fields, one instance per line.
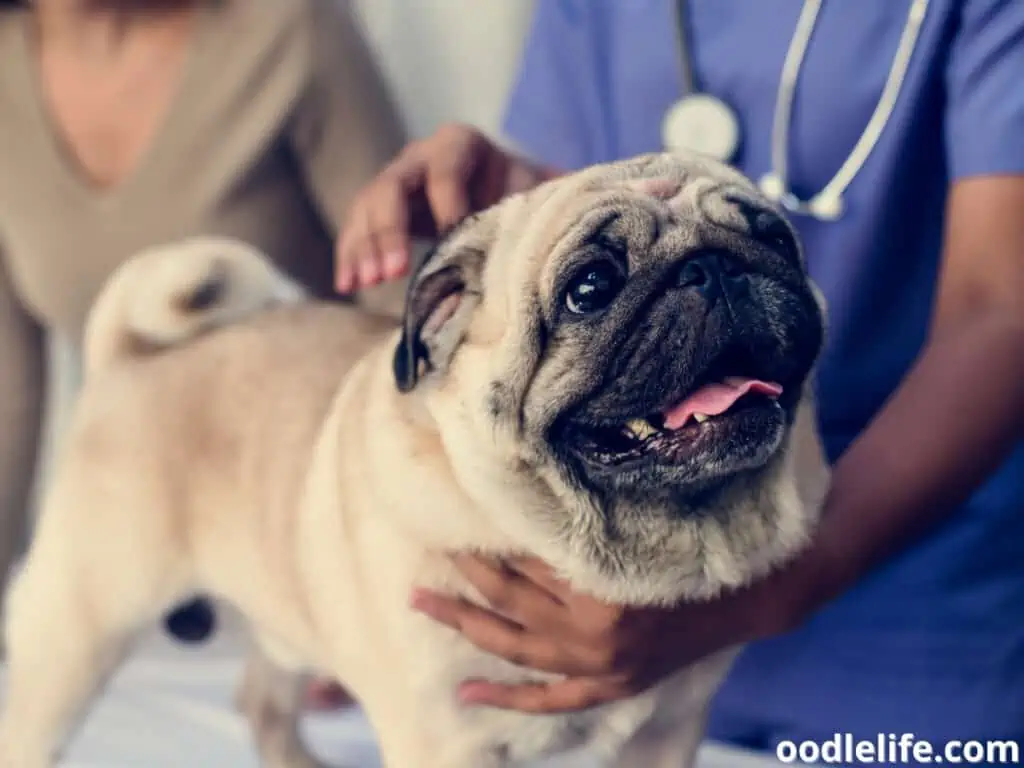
x=717, y=398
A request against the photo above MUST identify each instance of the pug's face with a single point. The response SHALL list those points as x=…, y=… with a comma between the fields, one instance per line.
x=634, y=341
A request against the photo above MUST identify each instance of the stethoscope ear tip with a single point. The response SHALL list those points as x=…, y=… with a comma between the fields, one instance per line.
x=825, y=206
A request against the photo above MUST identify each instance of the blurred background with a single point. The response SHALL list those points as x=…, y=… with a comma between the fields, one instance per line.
x=448, y=59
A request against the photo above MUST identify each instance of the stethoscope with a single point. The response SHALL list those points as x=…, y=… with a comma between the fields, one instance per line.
x=701, y=122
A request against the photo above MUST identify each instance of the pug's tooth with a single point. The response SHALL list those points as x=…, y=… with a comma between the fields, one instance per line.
x=635, y=427
x=700, y=418
x=641, y=428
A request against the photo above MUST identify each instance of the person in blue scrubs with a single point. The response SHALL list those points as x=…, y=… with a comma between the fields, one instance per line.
x=907, y=616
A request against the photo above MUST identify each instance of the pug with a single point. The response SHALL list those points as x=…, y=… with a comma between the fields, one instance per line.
x=610, y=372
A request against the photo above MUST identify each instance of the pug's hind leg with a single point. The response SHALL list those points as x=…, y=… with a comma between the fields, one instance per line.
x=271, y=697
x=67, y=628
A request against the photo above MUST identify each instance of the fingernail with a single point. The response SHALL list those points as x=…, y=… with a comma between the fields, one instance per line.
x=471, y=693
x=345, y=277
x=421, y=600
x=394, y=262
x=368, y=272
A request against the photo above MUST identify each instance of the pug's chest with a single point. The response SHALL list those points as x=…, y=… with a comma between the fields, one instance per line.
x=427, y=662
x=498, y=737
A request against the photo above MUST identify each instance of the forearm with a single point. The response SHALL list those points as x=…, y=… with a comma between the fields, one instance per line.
x=951, y=423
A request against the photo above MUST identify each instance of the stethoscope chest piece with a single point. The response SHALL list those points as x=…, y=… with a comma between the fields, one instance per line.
x=704, y=124
x=699, y=122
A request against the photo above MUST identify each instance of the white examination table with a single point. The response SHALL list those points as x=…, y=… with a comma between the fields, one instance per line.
x=171, y=705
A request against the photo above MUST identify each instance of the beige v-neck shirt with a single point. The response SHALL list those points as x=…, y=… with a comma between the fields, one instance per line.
x=281, y=114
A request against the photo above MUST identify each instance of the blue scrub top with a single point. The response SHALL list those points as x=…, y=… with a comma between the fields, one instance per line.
x=933, y=643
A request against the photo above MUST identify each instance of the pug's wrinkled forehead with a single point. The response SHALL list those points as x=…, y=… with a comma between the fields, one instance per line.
x=635, y=203
x=688, y=184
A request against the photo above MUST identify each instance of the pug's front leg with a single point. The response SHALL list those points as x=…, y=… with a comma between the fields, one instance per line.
x=403, y=741
x=664, y=743
x=399, y=756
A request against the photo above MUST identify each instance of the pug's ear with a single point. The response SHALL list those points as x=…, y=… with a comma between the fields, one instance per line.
x=439, y=303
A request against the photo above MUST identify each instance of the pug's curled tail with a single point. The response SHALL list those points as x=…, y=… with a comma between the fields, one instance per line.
x=167, y=295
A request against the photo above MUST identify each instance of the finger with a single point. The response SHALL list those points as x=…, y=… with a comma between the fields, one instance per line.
x=364, y=255
x=447, y=186
x=542, y=575
x=355, y=246
x=370, y=270
x=497, y=635
x=449, y=201
x=573, y=695
x=381, y=219
x=585, y=616
x=389, y=219
x=346, y=254
x=344, y=276
x=511, y=595
x=457, y=157
x=396, y=263
x=385, y=250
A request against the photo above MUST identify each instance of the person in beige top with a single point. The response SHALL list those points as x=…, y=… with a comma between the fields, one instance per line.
x=129, y=123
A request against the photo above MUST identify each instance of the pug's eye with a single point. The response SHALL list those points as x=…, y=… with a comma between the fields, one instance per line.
x=593, y=288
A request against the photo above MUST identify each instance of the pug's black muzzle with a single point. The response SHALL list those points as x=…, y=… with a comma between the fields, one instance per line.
x=711, y=321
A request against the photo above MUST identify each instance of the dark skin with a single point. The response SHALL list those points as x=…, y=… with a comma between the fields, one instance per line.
x=906, y=473
x=954, y=419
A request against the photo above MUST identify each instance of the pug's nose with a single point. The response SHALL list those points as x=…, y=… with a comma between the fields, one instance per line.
x=709, y=273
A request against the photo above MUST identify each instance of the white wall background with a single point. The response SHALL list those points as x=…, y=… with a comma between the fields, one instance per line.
x=448, y=59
